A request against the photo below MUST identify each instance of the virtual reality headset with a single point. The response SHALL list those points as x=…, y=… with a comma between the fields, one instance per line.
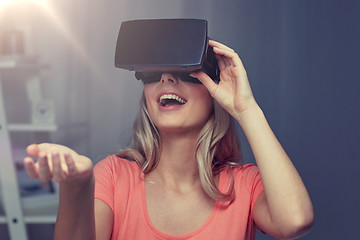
x=154, y=46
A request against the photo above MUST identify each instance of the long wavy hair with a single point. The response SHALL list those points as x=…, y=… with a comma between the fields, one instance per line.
x=217, y=148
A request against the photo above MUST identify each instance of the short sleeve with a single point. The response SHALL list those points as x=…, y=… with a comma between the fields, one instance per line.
x=257, y=188
x=251, y=178
x=104, y=182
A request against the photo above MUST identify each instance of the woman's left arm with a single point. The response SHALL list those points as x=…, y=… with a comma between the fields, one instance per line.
x=284, y=210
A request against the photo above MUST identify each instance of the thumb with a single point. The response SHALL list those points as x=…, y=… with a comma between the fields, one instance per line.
x=33, y=150
x=205, y=80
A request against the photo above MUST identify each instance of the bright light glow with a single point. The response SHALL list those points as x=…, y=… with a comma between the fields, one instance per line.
x=4, y=3
x=58, y=23
x=66, y=32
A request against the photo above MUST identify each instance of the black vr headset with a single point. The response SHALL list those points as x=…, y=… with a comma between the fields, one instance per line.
x=177, y=46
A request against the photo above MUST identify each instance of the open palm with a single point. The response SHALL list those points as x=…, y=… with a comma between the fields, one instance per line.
x=56, y=162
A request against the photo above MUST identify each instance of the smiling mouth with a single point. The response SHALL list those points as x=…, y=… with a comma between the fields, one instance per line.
x=171, y=99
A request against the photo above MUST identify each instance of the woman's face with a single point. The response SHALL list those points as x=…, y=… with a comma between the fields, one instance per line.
x=177, y=106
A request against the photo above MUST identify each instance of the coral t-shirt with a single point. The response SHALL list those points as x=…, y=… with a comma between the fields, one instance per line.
x=119, y=183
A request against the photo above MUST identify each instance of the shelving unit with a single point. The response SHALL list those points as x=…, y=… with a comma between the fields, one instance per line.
x=19, y=211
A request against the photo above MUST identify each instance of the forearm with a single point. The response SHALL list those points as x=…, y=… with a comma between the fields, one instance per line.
x=75, y=218
x=287, y=197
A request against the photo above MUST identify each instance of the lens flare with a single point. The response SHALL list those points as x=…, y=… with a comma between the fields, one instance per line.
x=68, y=35
x=4, y=3
x=7, y=6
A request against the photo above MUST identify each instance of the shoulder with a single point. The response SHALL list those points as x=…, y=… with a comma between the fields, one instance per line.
x=244, y=175
x=114, y=177
x=115, y=165
x=115, y=161
x=246, y=171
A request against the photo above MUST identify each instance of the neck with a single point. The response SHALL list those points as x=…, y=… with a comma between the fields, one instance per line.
x=177, y=167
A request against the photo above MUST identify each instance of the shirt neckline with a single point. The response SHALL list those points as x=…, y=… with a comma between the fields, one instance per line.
x=160, y=234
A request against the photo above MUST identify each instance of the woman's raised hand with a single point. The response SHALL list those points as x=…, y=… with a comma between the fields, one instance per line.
x=233, y=92
x=56, y=162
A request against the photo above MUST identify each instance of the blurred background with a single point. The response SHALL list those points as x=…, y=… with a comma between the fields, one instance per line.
x=301, y=56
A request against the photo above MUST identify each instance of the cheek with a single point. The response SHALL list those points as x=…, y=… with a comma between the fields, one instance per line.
x=202, y=95
x=207, y=108
x=204, y=100
x=148, y=92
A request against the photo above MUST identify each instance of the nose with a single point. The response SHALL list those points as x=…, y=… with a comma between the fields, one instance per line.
x=168, y=77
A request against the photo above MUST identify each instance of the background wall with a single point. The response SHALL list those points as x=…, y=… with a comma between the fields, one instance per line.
x=302, y=61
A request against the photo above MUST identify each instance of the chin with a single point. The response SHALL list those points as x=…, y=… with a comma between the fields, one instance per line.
x=174, y=128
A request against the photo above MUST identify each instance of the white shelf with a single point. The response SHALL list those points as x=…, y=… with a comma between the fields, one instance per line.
x=40, y=209
x=19, y=211
x=40, y=203
x=18, y=61
x=3, y=220
x=32, y=127
x=39, y=219
x=42, y=219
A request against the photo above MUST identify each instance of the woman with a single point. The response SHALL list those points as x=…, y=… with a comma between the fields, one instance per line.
x=184, y=182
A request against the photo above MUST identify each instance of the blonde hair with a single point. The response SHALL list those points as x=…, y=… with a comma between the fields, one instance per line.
x=218, y=148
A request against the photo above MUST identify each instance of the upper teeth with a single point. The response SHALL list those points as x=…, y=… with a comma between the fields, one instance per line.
x=172, y=96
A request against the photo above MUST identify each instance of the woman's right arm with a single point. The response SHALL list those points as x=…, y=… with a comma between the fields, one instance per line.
x=79, y=215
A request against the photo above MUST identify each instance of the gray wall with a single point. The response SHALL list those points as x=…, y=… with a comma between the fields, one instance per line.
x=301, y=57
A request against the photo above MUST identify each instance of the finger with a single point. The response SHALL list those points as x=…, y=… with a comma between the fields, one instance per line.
x=58, y=171
x=221, y=49
x=206, y=81
x=214, y=43
x=227, y=61
x=231, y=55
x=33, y=150
x=233, y=59
x=44, y=169
x=220, y=61
x=30, y=167
x=70, y=164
